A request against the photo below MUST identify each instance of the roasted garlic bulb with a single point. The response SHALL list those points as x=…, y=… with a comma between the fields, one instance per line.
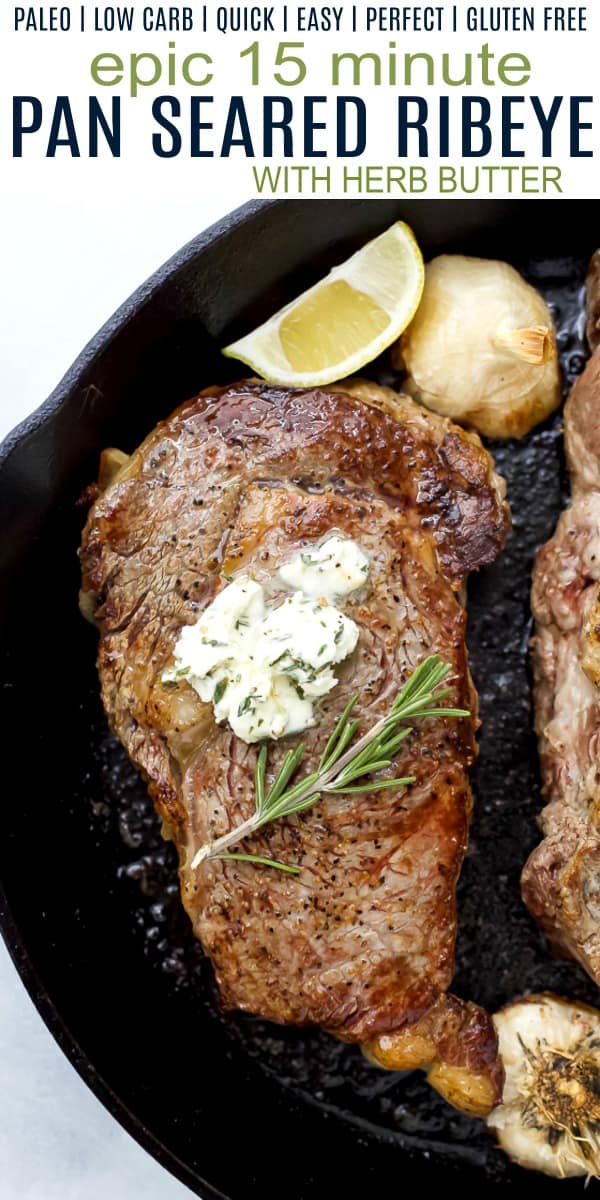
x=549, y=1118
x=481, y=348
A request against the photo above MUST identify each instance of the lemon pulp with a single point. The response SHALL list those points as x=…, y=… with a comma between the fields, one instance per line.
x=335, y=318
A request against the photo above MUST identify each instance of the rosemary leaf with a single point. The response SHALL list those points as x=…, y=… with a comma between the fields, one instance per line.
x=372, y=787
x=389, y=747
x=259, y=779
x=286, y=805
x=346, y=737
x=290, y=765
x=351, y=773
x=330, y=754
x=261, y=862
x=300, y=805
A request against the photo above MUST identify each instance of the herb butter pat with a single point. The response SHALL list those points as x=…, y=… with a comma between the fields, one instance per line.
x=263, y=666
x=334, y=569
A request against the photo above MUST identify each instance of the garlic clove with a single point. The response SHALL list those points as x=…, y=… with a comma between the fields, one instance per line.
x=472, y=1092
x=549, y=1118
x=455, y=1043
x=112, y=462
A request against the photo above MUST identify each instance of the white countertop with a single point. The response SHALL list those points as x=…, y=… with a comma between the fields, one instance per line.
x=64, y=271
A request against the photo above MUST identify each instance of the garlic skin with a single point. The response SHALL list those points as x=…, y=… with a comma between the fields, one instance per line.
x=482, y=348
x=549, y=1119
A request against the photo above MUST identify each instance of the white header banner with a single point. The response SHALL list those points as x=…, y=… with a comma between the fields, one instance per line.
x=301, y=100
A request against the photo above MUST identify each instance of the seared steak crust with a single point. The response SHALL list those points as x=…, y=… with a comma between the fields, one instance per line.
x=362, y=941
x=561, y=880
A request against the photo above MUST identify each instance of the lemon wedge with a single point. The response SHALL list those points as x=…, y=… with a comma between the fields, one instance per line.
x=345, y=320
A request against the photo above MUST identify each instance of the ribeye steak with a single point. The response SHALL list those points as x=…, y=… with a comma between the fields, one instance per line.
x=561, y=880
x=237, y=479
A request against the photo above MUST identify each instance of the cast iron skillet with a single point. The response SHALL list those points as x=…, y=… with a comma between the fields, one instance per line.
x=89, y=904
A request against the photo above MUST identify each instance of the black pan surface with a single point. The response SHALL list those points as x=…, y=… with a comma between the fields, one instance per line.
x=88, y=901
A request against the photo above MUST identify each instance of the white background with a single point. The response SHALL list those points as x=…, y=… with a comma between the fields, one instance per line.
x=76, y=237
x=65, y=267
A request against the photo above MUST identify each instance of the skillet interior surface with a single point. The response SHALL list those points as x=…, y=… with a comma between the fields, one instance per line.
x=90, y=905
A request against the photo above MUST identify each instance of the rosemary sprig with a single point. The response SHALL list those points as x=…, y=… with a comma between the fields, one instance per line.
x=344, y=762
